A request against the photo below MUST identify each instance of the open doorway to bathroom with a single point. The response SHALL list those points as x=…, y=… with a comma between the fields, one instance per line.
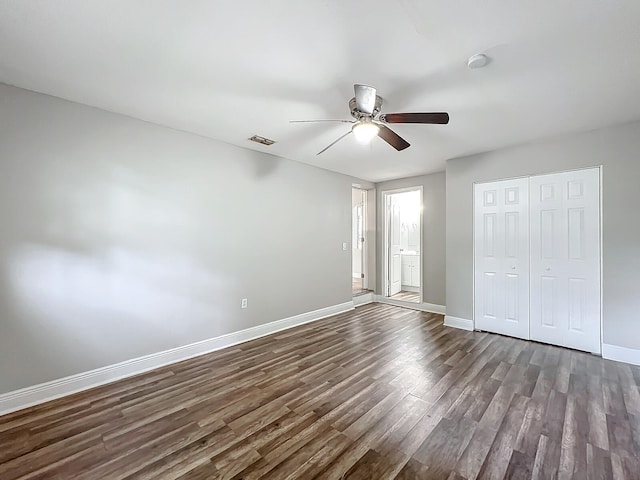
x=359, y=276
x=402, y=220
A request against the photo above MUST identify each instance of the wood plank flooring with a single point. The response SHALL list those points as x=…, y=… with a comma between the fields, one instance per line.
x=379, y=393
x=407, y=296
x=357, y=288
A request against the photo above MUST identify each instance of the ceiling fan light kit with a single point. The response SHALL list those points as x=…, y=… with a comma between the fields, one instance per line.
x=365, y=106
x=365, y=131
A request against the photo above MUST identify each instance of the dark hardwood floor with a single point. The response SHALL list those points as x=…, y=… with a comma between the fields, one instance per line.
x=382, y=392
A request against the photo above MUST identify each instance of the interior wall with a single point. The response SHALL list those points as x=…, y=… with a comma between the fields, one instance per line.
x=120, y=238
x=433, y=241
x=617, y=150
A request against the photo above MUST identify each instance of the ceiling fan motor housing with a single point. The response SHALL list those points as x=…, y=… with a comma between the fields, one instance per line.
x=357, y=114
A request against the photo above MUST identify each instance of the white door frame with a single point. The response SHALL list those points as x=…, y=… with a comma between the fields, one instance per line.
x=473, y=231
x=386, y=232
x=363, y=261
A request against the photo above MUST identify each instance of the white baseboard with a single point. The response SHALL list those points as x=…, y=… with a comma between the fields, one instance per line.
x=363, y=299
x=621, y=354
x=408, y=288
x=457, y=322
x=433, y=308
x=44, y=392
x=423, y=307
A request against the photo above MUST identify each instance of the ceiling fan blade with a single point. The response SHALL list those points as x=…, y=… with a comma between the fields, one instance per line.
x=441, y=118
x=333, y=143
x=314, y=121
x=392, y=138
x=365, y=98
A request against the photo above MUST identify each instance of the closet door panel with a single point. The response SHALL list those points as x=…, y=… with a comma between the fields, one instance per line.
x=565, y=259
x=501, y=257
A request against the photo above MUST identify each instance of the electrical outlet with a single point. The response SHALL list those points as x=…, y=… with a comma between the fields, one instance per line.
x=244, y=303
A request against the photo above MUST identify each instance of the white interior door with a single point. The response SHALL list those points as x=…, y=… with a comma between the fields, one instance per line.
x=395, y=259
x=565, y=259
x=501, y=244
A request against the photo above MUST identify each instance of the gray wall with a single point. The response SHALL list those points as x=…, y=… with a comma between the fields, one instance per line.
x=617, y=149
x=120, y=238
x=433, y=245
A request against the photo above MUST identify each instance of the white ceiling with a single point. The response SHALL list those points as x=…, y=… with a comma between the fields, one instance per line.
x=231, y=69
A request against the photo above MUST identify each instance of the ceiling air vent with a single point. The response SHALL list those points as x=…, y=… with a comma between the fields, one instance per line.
x=262, y=140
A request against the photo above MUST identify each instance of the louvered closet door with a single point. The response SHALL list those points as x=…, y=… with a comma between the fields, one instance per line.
x=565, y=259
x=501, y=242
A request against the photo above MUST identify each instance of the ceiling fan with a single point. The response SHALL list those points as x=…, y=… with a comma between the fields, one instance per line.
x=365, y=107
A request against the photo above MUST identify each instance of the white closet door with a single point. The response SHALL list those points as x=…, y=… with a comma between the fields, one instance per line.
x=501, y=239
x=565, y=259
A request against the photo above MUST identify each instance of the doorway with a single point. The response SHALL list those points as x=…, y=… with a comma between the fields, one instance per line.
x=402, y=220
x=359, y=277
